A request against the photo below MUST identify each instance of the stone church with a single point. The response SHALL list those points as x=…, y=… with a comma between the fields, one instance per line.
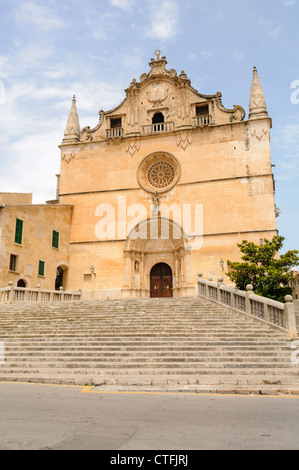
x=165, y=186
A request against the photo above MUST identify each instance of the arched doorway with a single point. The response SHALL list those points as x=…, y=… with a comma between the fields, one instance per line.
x=21, y=283
x=59, y=278
x=161, y=281
x=154, y=241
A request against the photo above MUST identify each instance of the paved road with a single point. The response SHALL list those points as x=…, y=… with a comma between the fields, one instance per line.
x=60, y=417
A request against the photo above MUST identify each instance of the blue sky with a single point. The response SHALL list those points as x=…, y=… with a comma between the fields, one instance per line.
x=50, y=50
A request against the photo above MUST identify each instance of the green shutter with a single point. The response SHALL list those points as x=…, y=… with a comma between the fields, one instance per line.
x=55, y=239
x=19, y=231
x=41, y=268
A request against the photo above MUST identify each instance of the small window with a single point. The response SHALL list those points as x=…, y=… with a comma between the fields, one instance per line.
x=19, y=232
x=115, y=123
x=13, y=262
x=41, y=268
x=158, y=118
x=55, y=239
x=202, y=110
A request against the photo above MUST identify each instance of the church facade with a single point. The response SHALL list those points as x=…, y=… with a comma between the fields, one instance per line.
x=165, y=186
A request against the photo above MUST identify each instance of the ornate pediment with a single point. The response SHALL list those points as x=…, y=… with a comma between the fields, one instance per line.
x=158, y=69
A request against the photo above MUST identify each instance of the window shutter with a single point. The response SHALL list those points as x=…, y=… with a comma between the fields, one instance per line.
x=55, y=239
x=41, y=268
x=19, y=231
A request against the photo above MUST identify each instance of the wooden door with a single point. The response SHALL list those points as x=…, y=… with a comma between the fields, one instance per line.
x=161, y=281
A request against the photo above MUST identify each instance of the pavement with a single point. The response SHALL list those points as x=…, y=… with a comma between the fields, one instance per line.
x=51, y=417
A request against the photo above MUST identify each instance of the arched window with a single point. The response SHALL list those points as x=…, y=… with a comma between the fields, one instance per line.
x=158, y=118
x=21, y=283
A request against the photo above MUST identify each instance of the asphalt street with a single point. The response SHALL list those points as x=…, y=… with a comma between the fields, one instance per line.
x=44, y=417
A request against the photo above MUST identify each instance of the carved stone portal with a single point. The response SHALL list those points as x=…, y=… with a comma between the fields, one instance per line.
x=153, y=241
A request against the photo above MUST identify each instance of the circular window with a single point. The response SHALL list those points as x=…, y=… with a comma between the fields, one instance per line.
x=159, y=172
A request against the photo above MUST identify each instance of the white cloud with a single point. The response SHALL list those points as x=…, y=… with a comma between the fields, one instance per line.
x=123, y=4
x=164, y=19
x=34, y=163
x=39, y=15
x=30, y=136
x=286, y=142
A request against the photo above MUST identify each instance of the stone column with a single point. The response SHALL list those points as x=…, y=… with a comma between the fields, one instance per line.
x=249, y=290
x=176, y=270
x=182, y=268
x=289, y=309
x=133, y=270
x=142, y=271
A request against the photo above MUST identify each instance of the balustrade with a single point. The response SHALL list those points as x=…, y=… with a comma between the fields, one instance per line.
x=200, y=121
x=157, y=128
x=281, y=315
x=114, y=133
x=23, y=294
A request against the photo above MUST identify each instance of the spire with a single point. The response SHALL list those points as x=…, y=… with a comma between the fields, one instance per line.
x=257, y=105
x=72, y=130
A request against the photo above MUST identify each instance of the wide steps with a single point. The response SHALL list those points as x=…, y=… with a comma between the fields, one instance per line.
x=148, y=343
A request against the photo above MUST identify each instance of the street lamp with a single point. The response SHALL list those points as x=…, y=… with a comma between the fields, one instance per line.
x=222, y=264
x=92, y=269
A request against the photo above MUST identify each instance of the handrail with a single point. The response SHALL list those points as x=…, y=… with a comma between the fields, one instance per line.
x=157, y=128
x=200, y=121
x=114, y=133
x=278, y=314
x=25, y=294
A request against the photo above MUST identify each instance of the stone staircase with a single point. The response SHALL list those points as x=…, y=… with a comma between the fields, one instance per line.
x=153, y=344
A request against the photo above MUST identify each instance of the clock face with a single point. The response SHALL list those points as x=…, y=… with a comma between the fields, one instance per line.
x=157, y=93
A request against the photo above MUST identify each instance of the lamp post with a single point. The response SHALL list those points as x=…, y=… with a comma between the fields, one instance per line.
x=92, y=270
x=93, y=275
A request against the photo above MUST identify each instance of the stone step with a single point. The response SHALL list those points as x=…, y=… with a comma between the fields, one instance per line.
x=146, y=348
x=94, y=377
x=166, y=363
x=202, y=373
x=155, y=342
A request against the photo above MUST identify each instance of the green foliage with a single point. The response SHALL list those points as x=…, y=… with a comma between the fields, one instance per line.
x=262, y=267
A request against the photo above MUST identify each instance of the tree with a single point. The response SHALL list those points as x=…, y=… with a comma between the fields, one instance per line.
x=262, y=267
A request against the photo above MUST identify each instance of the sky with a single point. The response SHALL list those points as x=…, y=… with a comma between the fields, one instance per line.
x=51, y=50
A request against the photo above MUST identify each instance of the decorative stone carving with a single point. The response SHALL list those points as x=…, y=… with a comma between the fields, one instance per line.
x=72, y=130
x=158, y=172
x=68, y=157
x=257, y=104
x=157, y=94
x=158, y=67
x=161, y=174
x=133, y=147
x=184, y=140
x=259, y=134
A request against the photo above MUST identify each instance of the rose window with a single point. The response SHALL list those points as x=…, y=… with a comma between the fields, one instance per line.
x=161, y=174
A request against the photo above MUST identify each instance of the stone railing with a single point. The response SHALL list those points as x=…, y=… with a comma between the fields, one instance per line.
x=201, y=121
x=157, y=128
x=22, y=294
x=281, y=315
x=114, y=133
